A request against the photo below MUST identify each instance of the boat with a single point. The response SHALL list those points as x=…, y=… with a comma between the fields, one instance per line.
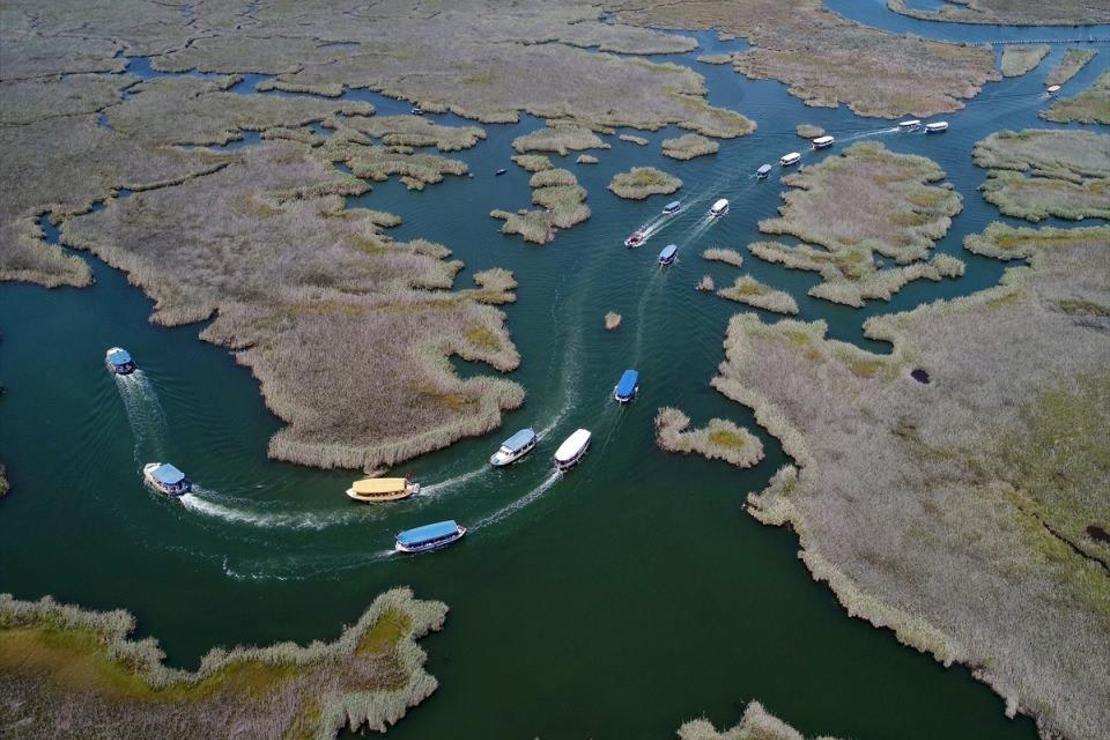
x=572, y=449
x=937, y=127
x=909, y=125
x=119, y=361
x=430, y=536
x=763, y=171
x=822, y=141
x=1052, y=89
x=788, y=159
x=380, y=490
x=167, y=479
x=672, y=208
x=514, y=448
x=635, y=239
x=417, y=110
x=667, y=256
x=719, y=208
x=627, y=387
x=501, y=171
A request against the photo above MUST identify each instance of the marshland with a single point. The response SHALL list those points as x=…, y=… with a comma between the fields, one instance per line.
x=277, y=237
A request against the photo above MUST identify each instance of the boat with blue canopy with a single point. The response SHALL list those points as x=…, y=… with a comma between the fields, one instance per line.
x=119, y=361
x=763, y=171
x=167, y=479
x=627, y=387
x=430, y=536
x=672, y=208
x=667, y=256
x=514, y=448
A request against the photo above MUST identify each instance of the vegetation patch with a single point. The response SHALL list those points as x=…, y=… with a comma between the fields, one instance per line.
x=559, y=139
x=1008, y=12
x=721, y=254
x=563, y=203
x=633, y=139
x=705, y=285
x=586, y=159
x=756, y=724
x=1022, y=58
x=1006, y=242
x=72, y=671
x=748, y=290
x=612, y=320
x=533, y=162
x=809, y=131
x=689, y=146
x=642, y=182
x=4, y=485
x=1090, y=106
x=1073, y=61
x=719, y=440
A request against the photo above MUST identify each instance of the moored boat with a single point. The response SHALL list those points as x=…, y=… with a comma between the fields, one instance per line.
x=167, y=479
x=719, y=208
x=909, y=125
x=635, y=239
x=430, y=536
x=821, y=142
x=514, y=448
x=667, y=256
x=381, y=490
x=627, y=387
x=118, y=360
x=572, y=449
x=763, y=171
x=1052, y=89
x=936, y=127
x=790, y=159
x=672, y=208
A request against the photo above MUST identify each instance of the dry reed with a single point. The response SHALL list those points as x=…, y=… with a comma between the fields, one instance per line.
x=643, y=182
x=689, y=146
x=748, y=290
x=1022, y=59
x=720, y=439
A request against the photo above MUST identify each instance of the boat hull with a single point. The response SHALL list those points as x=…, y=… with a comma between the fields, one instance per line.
x=437, y=545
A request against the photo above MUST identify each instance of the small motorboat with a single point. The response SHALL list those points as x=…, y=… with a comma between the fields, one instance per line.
x=118, y=360
x=672, y=208
x=167, y=479
x=937, y=127
x=763, y=171
x=719, y=208
x=514, y=448
x=790, y=159
x=381, y=490
x=430, y=536
x=636, y=239
x=822, y=142
x=667, y=256
x=1052, y=89
x=501, y=171
x=572, y=450
x=417, y=110
x=627, y=387
x=909, y=125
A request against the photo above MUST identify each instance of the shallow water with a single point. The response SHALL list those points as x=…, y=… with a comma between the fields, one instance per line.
x=616, y=600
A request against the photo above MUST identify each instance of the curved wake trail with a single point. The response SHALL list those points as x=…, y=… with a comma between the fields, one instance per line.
x=144, y=414
x=300, y=568
x=505, y=511
x=200, y=502
x=433, y=489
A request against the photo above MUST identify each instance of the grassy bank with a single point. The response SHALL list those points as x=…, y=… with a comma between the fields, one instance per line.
x=1008, y=12
x=76, y=672
x=755, y=724
x=720, y=439
x=748, y=290
x=1073, y=61
x=1089, y=106
x=1023, y=58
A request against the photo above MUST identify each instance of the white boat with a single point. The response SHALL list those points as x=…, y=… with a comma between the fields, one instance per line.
x=719, y=208
x=911, y=124
x=822, y=141
x=937, y=127
x=763, y=171
x=789, y=159
x=514, y=448
x=672, y=208
x=167, y=479
x=1052, y=89
x=572, y=449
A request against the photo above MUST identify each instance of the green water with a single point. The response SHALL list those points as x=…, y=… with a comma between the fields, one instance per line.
x=616, y=601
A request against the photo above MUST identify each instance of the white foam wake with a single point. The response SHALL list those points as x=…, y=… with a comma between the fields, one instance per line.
x=200, y=503
x=510, y=509
x=144, y=414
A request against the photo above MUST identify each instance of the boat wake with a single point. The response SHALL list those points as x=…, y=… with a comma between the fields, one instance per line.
x=200, y=501
x=144, y=414
x=506, y=511
x=433, y=489
x=301, y=568
x=876, y=132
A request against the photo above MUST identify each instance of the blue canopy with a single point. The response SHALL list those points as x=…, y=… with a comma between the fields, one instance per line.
x=119, y=357
x=519, y=440
x=674, y=205
x=668, y=251
x=428, y=532
x=627, y=384
x=168, y=475
x=764, y=168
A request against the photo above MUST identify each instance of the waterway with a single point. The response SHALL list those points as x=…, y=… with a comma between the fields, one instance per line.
x=616, y=600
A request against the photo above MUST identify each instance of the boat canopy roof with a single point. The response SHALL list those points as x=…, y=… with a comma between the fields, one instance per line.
x=910, y=122
x=668, y=251
x=627, y=384
x=428, y=532
x=764, y=168
x=824, y=140
x=791, y=155
x=575, y=442
x=118, y=356
x=673, y=204
x=167, y=474
x=369, y=486
x=720, y=204
x=517, y=442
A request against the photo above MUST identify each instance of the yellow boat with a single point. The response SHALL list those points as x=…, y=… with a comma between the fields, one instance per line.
x=378, y=490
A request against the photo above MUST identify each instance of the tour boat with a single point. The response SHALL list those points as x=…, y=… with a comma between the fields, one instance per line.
x=763, y=171
x=514, y=448
x=627, y=387
x=822, y=141
x=1052, y=89
x=909, y=125
x=430, y=536
x=937, y=127
x=789, y=159
x=635, y=240
x=417, y=110
x=572, y=449
x=672, y=208
x=719, y=208
x=119, y=361
x=167, y=479
x=380, y=490
x=501, y=171
x=667, y=256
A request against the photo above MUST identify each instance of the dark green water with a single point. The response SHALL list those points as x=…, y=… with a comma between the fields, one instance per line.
x=617, y=601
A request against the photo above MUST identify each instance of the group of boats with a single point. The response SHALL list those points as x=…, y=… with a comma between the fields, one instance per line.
x=910, y=125
x=670, y=252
